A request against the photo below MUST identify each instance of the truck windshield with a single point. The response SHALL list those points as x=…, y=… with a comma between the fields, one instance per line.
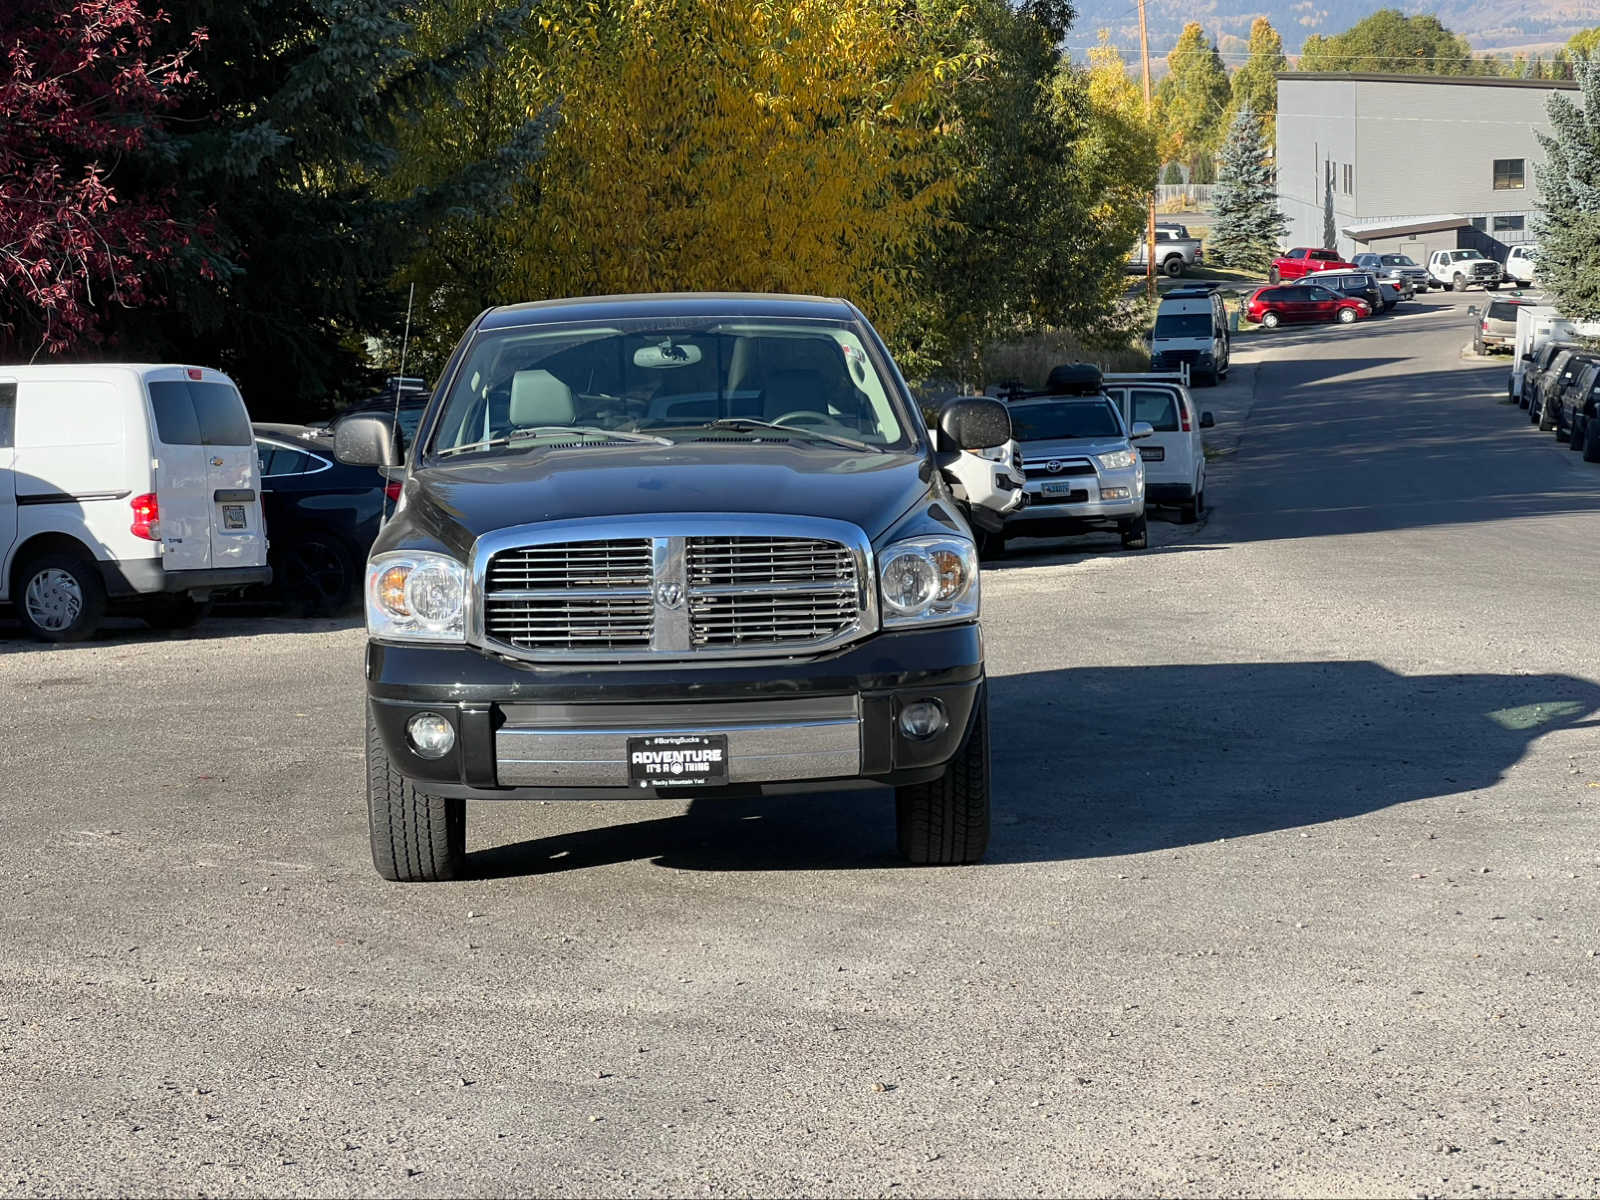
x=653, y=379
x=1183, y=325
x=1398, y=260
x=1065, y=419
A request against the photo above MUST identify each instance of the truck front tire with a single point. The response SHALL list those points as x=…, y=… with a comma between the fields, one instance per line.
x=946, y=821
x=416, y=837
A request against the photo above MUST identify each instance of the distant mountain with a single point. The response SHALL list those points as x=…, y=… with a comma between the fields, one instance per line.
x=1487, y=24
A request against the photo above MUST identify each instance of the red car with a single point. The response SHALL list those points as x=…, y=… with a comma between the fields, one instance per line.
x=1303, y=261
x=1274, y=306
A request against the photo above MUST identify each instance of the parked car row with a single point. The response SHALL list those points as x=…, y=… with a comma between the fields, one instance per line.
x=1560, y=387
x=1454, y=269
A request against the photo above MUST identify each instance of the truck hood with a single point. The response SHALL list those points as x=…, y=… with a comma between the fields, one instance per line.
x=455, y=503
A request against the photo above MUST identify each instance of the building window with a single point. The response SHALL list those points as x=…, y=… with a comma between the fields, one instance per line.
x=1509, y=224
x=1481, y=224
x=1508, y=173
x=1349, y=180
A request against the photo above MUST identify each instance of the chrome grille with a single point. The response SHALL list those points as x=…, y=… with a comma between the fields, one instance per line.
x=684, y=587
x=572, y=596
x=750, y=591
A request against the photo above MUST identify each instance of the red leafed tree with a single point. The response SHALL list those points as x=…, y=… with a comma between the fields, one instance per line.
x=82, y=93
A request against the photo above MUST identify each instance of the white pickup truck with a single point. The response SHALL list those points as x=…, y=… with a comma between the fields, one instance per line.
x=1461, y=269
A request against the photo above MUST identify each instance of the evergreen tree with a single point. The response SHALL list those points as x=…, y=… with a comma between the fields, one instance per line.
x=1330, y=231
x=289, y=132
x=1248, y=226
x=1569, y=226
x=1173, y=174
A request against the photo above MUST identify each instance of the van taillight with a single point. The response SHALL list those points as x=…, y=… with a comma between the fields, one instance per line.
x=392, y=489
x=1183, y=417
x=146, y=517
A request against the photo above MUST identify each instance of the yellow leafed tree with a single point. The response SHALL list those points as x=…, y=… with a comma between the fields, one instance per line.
x=753, y=145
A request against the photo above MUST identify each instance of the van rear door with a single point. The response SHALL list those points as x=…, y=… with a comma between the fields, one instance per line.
x=232, y=473
x=183, y=483
x=8, y=474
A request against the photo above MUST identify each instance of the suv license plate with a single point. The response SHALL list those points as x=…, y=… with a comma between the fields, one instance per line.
x=233, y=516
x=1063, y=488
x=678, y=760
x=1152, y=453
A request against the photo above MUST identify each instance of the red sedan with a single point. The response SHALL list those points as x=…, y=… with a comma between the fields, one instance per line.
x=1274, y=306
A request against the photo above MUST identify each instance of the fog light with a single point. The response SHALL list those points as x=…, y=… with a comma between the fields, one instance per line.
x=430, y=734
x=1113, y=493
x=922, y=719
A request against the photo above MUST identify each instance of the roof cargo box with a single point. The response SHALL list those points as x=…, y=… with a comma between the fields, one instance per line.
x=1074, y=379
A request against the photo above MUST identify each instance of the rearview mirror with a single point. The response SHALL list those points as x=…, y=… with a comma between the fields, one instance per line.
x=365, y=440
x=974, y=423
x=1207, y=421
x=1141, y=429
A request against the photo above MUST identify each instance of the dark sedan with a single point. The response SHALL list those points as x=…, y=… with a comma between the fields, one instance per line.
x=322, y=516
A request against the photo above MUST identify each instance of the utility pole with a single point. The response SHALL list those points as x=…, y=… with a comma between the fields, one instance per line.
x=1149, y=116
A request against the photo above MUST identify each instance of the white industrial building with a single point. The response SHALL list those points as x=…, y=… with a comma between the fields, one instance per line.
x=1416, y=163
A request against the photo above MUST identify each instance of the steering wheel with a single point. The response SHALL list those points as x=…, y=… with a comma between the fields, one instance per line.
x=820, y=418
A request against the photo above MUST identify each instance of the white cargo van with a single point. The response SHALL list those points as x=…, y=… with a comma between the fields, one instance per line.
x=1174, y=454
x=1191, y=330
x=125, y=486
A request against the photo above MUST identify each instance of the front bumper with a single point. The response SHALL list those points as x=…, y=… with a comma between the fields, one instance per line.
x=532, y=732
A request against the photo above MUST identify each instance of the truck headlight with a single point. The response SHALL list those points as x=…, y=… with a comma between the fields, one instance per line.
x=1117, y=460
x=928, y=580
x=418, y=596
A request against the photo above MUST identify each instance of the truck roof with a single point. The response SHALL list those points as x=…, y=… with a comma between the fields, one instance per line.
x=670, y=304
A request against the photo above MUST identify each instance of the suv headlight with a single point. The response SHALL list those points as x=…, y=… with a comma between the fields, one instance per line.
x=1117, y=460
x=417, y=596
x=928, y=580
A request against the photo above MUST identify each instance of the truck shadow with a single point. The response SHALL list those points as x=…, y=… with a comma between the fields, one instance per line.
x=1099, y=762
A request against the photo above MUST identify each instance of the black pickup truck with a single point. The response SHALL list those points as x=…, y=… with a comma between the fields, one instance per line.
x=686, y=546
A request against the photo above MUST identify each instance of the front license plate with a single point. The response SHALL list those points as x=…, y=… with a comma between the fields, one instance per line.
x=678, y=760
x=1153, y=453
x=233, y=516
x=1056, y=489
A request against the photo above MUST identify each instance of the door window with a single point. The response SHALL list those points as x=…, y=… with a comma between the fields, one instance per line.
x=8, y=411
x=1320, y=293
x=176, y=422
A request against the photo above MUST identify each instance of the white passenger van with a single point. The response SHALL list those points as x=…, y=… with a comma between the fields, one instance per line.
x=124, y=486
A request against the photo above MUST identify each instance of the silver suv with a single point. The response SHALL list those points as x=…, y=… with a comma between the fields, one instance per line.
x=1082, y=470
x=1399, y=269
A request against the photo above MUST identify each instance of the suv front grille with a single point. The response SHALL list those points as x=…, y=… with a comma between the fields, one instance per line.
x=677, y=595
x=770, y=591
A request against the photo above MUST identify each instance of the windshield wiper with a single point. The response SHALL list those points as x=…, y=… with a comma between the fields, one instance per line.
x=530, y=432
x=752, y=423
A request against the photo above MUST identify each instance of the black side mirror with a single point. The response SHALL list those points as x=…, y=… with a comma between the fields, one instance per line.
x=1207, y=421
x=974, y=423
x=365, y=440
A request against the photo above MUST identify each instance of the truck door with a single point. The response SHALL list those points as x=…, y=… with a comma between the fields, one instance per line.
x=183, y=491
x=8, y=459
x=232, y=474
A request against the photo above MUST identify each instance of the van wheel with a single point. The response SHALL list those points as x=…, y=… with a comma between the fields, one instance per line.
x=174, y=612
x=1347, y=316
x=946, y=821
x=1270, y=320
x=416, y=837
x=1191, y=512
x=1135, y=533
x=60, y=597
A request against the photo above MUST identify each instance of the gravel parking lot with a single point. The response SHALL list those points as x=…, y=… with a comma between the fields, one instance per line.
x=1295, y=885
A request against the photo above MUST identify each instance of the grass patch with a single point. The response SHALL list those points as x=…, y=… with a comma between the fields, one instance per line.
x=1030, y=358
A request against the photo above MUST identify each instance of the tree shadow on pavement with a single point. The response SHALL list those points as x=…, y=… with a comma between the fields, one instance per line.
x=1103, y=761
